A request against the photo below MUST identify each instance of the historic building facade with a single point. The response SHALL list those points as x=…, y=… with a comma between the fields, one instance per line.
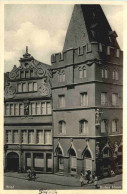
x=67, y=117
x=87, y=96
x=28, y=116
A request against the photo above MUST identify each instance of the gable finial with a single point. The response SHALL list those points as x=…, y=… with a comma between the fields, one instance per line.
x=27, y=49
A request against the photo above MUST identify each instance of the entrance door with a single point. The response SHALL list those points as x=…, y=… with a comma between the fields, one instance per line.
x=13, y=161
x=60, y=163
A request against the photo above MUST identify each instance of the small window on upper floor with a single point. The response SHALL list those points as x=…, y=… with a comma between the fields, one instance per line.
x=115, y=75
x=114, y=99
x=82, y=72
x=62, y=127
x=84, y=99
x=27, y=74
x=31, y=73
x=19, y=87
x=22, y=74
x=61, y=101
x=103, y=98
x=61, y=76
x=104, y=125
x=104, y=73
x=115, y=126
x=83, y=127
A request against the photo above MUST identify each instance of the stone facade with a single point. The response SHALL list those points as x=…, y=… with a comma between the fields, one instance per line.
x=84, y=88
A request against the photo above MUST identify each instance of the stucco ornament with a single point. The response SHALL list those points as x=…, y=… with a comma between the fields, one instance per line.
x=44, y=89
x=10, y=91
x=13, y=73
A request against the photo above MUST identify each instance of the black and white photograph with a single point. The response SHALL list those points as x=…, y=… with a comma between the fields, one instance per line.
x=63, y=97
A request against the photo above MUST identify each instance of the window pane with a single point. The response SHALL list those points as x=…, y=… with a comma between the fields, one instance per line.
x=30, y=136
x=31, y=73
x=22, y=74
x=84, y=73
x=62, y=127
x=102, y=73
x=117, y=75
x=114, y=99
x=27, y=74
x=103, y=126
x=33, y=109
x=35, y=86
x=106, y=73
x=16, y=109
x=114, y=126
x=84, y=127
x=15, y=136
x=48, y=137
x=21, y=109
x=40, y=137
x=7, y=109
x=19, y=87
x=63, y=77
x=48, y=108
x=11, y=109
x=113, y=75
x=24, y=87
x=80, y=73
x=103, y=98
x=43, y=108
x=30, y=87
x=62, y=101
x=38, y=108
x=8, y=136
x=24, y=136
x=84, y=99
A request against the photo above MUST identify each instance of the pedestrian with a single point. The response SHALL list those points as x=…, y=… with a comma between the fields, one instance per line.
x=82, y=178
x=88, y=176
x=29, y=173
x=96, y=182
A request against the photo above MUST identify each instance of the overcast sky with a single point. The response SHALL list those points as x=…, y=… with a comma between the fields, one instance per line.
x=43, y=28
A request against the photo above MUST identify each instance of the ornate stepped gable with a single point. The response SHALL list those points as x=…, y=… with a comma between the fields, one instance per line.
x=39, y=70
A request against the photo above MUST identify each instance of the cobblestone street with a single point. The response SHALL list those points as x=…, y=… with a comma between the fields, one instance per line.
x=55, y=182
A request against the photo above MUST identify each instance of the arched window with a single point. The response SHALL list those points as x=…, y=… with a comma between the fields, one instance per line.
x=104, y=124
x=115, y=125
x=83, y=127
x=115, y=75
x=82, y=72
x=104, y=73
x=61, y=76
x=73, y=161
x=62, y=127
x=87, y=161
x=107, y=152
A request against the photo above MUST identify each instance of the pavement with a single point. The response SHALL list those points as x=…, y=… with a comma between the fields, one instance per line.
x=16, y=181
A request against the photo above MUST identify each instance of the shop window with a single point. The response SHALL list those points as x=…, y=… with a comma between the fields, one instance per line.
x=39, y=162
x=83, y=127
x=48, y=162
x=84, y=99
x=61, y=101
x=28, y=161
x=62, y=127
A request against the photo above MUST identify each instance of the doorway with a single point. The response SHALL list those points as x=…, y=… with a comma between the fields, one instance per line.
x=13, y=162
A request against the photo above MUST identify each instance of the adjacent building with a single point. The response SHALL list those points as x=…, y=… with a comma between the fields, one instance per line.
x=67, y=117
x=28, y=116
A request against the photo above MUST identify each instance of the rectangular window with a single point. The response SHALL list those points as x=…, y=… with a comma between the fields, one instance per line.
x=22, y=74
x=8, y=136
x=31, y=73
x=103, y=126
x=114, y=126
x=103, y=98
x=27, y=74
x=84, y=127
x=114, y=99
x=43, y=108
x=33, y=112
x=11, y=109
x=61, y=101
x=40, y=137
x=84, y=99
x=16, y=109
x=35, y=86
x=102, y=73
x=31, y=136
x=84, y=73
x=21, y=109
x=80, y=73
x=15, y=136
x=48, y=107
x=24, y=136
x=38, y=108
x=47, y=136
x=19, y=87
x=30, y=87
x=24, y=87
x=7, y=112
